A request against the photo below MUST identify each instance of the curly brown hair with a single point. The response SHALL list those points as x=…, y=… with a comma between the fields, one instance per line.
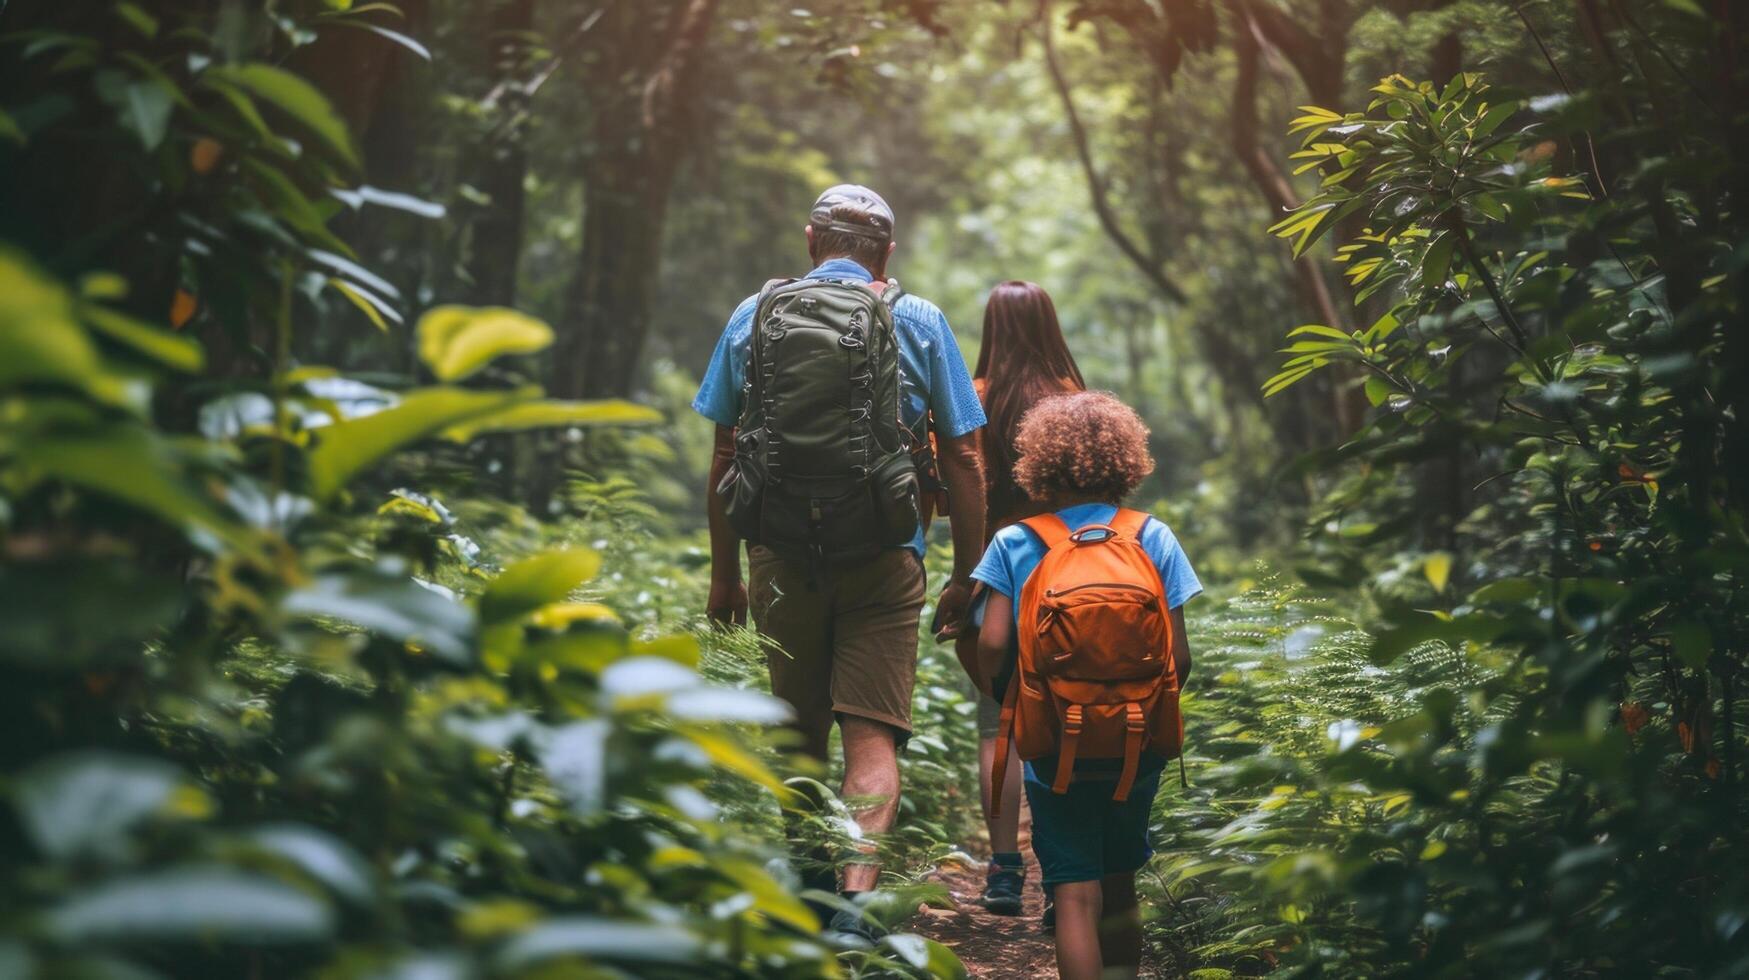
x=1085, y=444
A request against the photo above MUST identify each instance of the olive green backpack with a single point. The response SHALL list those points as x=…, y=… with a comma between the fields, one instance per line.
x=823, y=471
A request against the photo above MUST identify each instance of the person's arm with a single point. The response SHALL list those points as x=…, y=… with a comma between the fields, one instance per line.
x=728, y=597
x=994, y=639
x=1181, y=653
x=962, y=470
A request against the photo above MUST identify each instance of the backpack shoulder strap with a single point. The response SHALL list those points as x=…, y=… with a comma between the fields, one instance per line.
x=1049, y=528
x=891, y=292
x=1129, y=523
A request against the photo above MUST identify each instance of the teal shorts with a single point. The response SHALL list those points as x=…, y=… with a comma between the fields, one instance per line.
x=1084, y=835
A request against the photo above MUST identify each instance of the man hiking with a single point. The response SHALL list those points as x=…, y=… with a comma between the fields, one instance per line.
x=825, y=390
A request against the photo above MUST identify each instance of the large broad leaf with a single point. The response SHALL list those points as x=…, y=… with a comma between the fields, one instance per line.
x=135, y=466
x=348, y=447
x=320, y=855
x=192, y=904
x=87, y=801
x=297, y=98
x=45, y=606
x=554, y=415
x=602, y=939
x=142, y=105
x=456, y=341
x=638, y=677
x=392, y=605
x=173, y=350
x=708, y=703
x=39, y=339
x=536, y=582
x=575, y=758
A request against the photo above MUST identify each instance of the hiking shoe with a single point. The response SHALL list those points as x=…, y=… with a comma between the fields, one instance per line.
x=1002, y=889
x=853, y=928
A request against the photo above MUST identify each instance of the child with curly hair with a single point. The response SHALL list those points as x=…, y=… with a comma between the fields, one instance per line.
x=1082, y=455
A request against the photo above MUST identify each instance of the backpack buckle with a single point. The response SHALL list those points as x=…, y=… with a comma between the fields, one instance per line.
x=850, y=341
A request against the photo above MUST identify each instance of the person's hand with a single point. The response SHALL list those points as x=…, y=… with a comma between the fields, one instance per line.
x=727, y=605
x=951, y=608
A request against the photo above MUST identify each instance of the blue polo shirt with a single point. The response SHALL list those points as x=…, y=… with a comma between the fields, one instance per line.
x=933, y=381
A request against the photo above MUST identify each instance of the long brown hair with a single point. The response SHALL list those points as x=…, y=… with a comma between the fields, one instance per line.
x=1022, y=360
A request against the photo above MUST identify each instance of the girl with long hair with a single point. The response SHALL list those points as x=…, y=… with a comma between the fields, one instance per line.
x=1023, y=360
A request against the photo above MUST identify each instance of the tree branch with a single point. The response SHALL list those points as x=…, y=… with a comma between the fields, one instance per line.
x=1148, y=265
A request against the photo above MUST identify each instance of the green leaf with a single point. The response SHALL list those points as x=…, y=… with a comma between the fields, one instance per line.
x=322, y=856
x=456, y=341
x=554, y=415
x=395, y=37
x=1436, y=262
x=9, y=129
x=40, y=341
x=1437, y=568
x=359, y=299
x=345, y=448
x=1378, y=390
x=390, y=605
x=135, y=466
x=170, y=349
x=86, y=802
x=1321, y=331
x=1492, y=119
x=142, y=106
x=614, y=940
x=535, y=582
x=296, y=98
x=1693, y=643
x=194, y=904
x=1383, y=327
x=141, y=21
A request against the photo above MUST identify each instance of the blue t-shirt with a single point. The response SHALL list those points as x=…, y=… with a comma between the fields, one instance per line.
x=1014, y=555
x=933, y=380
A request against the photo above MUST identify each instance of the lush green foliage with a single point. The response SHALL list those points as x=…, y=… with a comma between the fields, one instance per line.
x=330, y=645
x=267, y=710
x=1575, y=810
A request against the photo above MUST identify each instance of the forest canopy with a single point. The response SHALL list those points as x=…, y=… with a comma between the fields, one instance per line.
x=353, y=531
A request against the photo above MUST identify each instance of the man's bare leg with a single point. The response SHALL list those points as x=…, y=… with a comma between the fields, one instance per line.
x=871, y=781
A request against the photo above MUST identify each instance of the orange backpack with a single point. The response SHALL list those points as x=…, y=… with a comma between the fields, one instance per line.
x=1097, y=675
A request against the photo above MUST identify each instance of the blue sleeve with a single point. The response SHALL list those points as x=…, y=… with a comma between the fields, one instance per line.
x=993, y=570
x=952, y=399
x=1176, y=575
x=719, y=394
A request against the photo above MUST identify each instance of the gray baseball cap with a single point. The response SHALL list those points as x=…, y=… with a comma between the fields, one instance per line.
x=879, y=225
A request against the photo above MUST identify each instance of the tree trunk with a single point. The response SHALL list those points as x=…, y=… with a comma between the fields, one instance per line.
x=495, y=248
x=645, y=69
x=607, y=309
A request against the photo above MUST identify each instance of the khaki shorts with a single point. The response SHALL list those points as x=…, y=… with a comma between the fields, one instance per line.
x=849, y=643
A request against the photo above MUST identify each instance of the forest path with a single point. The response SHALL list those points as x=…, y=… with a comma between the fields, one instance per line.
x=995, y=945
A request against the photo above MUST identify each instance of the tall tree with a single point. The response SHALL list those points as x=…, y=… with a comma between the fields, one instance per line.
x=639, y=67
x=501, y=160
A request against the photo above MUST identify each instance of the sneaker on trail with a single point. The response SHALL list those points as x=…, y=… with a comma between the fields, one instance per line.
x=1002, y=889
x=854, y=927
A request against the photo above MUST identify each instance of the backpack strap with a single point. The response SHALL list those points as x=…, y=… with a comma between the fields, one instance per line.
x=890, y=292
x=1129, y=523
x=1134, y=728
x=1071, y=740
x=1004, y=737
x=1049, y=528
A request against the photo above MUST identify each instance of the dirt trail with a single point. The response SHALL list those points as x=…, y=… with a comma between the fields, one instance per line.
x=995, y=945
